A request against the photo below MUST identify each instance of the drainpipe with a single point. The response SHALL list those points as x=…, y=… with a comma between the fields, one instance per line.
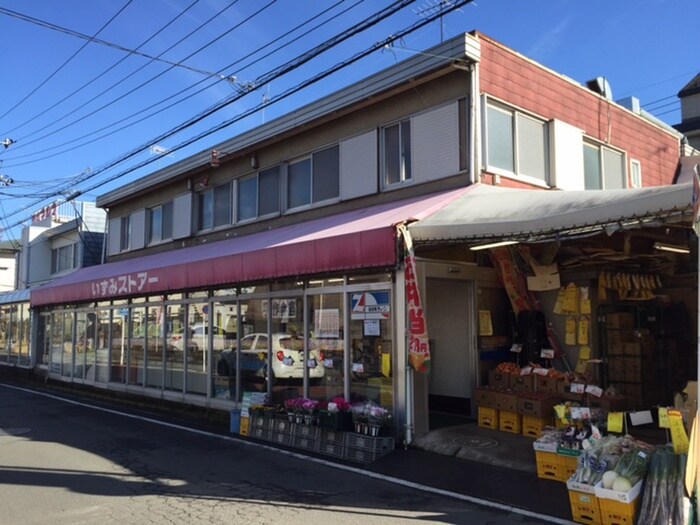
x=475, y=124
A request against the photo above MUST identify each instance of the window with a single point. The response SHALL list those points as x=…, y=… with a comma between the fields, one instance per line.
x=160, y=223
x=64, y=258
x=214, y=207
x=517, y=143
x=125, y=233
x=259, y=195
x=635, y=174
x=314, y=179
x=396, y=153
x=603, y=167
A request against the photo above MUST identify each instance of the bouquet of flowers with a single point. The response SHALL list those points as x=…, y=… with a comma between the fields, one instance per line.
x=301, y=409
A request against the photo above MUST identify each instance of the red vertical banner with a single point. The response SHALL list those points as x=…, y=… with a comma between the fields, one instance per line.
x=418, y=345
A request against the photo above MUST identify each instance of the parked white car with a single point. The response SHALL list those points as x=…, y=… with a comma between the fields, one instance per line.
x=199, y=334
x=288, y=358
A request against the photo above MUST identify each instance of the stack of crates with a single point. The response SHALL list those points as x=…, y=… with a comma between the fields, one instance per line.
x=281, y=432
x=618, y=508
x=533, y=426
x=260, y=427
x=305, y=437
x=366, y=449
x=332, y=443
x=547, y=460
x=585, y=506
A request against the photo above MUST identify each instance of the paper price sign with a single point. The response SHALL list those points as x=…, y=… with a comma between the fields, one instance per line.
x=516, y=349
x=679, y=437
x=547, y=353
x=580, y=413
x=540, y=371
x=526, y=371
x=578, y=388
x=663, y=418
x=616, y=422
x=594, y=390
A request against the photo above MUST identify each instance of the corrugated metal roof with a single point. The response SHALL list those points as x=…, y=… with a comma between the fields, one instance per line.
x=491, y=212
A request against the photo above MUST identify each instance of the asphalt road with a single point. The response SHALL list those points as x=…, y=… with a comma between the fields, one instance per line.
x=67, y=462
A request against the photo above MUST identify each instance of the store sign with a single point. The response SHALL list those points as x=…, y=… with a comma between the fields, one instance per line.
x=122, y=284
x=371, y=305
x=418, y=344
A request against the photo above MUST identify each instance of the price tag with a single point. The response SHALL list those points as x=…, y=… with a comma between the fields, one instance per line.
x=358, y=368
x=580, y=413
x=616, y=422
x=526, y=371
x=642, y=417
x=547, y=353
x=560, y=411
x=540, y=371
x=578, y=388
x=516, y=349
x=594, y=390
x=663, y=418
x=679, y=437
x=328, y=362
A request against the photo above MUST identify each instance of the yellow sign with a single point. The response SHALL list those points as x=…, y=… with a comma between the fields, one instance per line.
x=485, y=326
x=679, y=437
x=663, y=418
x=583, y=325
x=570, y=337
x=616, y=422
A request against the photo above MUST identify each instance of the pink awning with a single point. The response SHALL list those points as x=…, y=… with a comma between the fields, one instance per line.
x=357, y=239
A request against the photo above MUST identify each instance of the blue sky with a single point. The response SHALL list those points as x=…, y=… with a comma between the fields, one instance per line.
x=73, y=106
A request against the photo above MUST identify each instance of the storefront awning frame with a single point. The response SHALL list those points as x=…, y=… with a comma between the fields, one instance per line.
x=355, y=240
x=490, y=213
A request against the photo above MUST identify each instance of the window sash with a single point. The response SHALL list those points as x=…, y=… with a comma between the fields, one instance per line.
x=299, y=184
x=269, y=191
x=326, y=174
x=501, y=132
x=125, y=233
x=396, y=143
x=604, y=168
x=247, y=198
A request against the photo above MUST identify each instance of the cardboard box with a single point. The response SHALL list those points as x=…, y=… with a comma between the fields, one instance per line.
x=486, y=397
x=538, y=405
x=523, y=383
x=507, y=401
x=632, y=349
x=547, y=384
x=616, y=495
x=499, y=379
x=620, y=320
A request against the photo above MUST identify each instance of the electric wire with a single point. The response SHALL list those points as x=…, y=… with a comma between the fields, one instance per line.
x=56, y=71
x=158, y=112
x=143, y=84
x=92, y=134
x=100, y=75
x=264, y=79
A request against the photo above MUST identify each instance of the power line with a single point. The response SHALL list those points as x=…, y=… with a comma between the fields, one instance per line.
x=160, y=111
x=110, y=68
x=41, y=84
x=143, y=84
x=264, y=79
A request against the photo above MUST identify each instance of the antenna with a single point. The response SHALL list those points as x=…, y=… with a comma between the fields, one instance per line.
x=430, y=7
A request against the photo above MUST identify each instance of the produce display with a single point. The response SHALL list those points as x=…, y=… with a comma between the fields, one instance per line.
x=664, y=500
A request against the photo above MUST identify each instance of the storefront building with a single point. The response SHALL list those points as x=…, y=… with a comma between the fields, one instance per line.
x=274, y=263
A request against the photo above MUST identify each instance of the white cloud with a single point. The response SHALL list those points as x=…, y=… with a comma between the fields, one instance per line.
x=548, y=41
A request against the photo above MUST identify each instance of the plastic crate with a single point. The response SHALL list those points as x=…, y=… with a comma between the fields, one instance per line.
x=282, y=426
x=488, y=417
x=568, y=463
x=331, y=436
x=547, y=465
x=533, y=426
x=281, y=438
x=585, y=507
x=509, y=422
x=259, y=422
x=369, y=443
x=328, y=448
x=305, y=443
x=307, y=431
x=361, y=456
x=616, y=512
x=259, y=433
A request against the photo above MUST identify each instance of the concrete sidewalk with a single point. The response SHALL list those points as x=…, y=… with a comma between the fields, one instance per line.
x=481, y=463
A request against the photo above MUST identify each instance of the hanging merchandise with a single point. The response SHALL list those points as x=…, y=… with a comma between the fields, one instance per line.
x=571, y=299
x=583, y=326
x=570, y=338
x=630, y=287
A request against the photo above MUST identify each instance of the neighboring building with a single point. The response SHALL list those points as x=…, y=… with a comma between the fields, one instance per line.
x=292, y=230
x=690, y=112
x=62, y=238
x=8, y=266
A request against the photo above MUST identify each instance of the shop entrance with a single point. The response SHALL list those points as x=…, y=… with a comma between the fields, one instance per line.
x=452, y=370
